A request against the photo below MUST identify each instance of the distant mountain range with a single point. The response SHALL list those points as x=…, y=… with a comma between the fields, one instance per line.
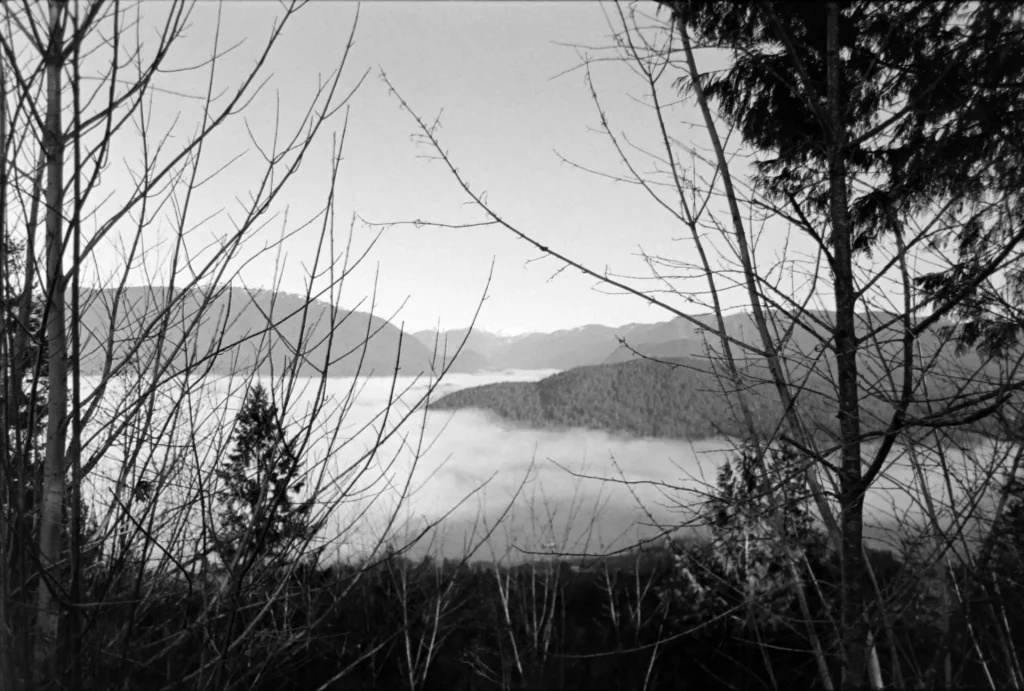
x=237, y=323
x=675, y=338
x=564, y=349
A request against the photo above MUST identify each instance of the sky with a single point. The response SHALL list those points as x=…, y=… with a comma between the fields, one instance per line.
x=506, y=83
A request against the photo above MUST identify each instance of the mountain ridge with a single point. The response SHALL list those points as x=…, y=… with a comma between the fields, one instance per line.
x=125, y=327
x=595, y=344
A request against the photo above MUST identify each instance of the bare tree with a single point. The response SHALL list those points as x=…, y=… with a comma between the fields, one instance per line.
x=116, y=396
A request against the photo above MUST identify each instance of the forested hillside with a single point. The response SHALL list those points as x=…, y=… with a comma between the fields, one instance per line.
x=680, y=398
x=640, y=397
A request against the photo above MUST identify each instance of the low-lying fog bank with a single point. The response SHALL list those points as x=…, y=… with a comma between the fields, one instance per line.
x=533, y=491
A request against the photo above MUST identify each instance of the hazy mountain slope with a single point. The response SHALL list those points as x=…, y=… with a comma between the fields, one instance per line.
x=485, y=344
x=468, y=361
x=596, y=344
x=564, y=349
x=694, y=341
x=587, y=345
x=244, y=319
x=475, y=356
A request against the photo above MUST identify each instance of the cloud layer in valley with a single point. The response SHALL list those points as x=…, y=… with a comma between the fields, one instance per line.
x=528, y=490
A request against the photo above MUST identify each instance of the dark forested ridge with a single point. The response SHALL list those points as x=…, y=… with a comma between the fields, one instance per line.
x=674, y=383
x=641, y=398
x=680, y=398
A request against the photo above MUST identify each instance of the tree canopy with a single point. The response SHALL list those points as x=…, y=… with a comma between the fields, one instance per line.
x=260, y=518
x=930, y=128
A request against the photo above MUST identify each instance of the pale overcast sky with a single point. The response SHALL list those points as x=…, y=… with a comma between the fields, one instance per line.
x=491, y=70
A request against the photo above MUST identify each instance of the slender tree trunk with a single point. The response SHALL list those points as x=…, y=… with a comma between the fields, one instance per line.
x=22, y=472
x=51, y=509
x=851, y=494
x=75, y=623
x=775, y=365
x=767, y=343
x=9, y=407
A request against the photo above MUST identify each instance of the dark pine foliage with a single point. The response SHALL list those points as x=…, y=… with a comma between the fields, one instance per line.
x=624, y=622
x=755, y=506
x=932, y=105
x=24, y=361
x=259, y=516
x=1008, y=545
x=760, y=522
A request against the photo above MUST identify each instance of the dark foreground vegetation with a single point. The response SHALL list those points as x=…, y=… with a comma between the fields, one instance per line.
x=679, y=617
x=712, y=609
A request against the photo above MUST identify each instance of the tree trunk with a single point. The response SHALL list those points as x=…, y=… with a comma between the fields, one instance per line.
x=7, y=387
x=51, y=513
x=775, y=364
x=851, y=494
x=768, y=345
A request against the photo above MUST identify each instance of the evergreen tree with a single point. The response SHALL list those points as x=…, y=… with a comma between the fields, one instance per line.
x=871, y=121
x=260, y=520
x=24, y=348
x=1008, y=537
x=930, y=119
x=23, y=373
x=753, y=528
x=23, y=409
x=745, y=562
